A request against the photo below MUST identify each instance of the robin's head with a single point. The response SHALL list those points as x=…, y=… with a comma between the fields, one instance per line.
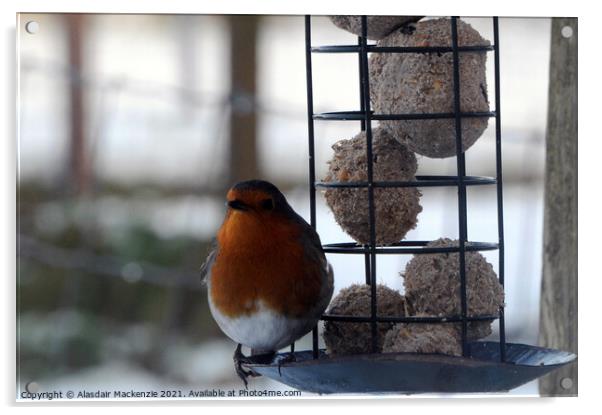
x=257, y=197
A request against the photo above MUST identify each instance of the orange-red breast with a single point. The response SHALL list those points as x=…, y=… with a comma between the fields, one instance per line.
x=268, y=279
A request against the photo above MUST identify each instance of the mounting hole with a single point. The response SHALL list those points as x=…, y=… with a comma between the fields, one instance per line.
x=566, y=383
x=32, y=387
x=32, y=27
x=567, y=32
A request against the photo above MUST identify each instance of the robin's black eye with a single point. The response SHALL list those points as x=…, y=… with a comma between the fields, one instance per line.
x=237, y=205
x=267, y=204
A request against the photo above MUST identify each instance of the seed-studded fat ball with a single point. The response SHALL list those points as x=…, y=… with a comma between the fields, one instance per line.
x=407, y=83
x=432, y=286
x=396, y=209
x=377, y=26
x=423, y=338
x=343, y=338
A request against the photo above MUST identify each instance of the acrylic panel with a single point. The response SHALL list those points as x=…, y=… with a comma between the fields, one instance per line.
x=388, y=137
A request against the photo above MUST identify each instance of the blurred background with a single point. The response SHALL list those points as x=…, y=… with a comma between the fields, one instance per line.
x=131, y=129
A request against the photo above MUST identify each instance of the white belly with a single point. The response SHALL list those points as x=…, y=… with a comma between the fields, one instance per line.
x=264, y=329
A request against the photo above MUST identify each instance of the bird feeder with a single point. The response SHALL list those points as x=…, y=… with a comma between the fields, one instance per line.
x=483, y=366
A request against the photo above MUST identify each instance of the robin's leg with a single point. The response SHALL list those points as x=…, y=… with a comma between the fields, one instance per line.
x=239, y=360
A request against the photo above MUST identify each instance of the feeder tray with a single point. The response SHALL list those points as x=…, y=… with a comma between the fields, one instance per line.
x=410, y=373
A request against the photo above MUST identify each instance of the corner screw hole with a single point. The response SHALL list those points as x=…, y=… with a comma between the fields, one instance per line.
x=32, y=27
x=566, y=383
x=32, y=387
x=567, y=32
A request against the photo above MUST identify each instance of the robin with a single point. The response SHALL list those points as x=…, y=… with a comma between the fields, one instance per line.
x=267, y=277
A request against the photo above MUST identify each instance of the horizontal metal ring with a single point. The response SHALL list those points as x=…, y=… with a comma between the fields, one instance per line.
x=398, y=49
x=406, y=247
x=360, y=116
x=421, y=181
x=386, y=319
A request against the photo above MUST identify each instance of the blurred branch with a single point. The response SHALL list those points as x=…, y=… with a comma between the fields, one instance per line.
x=103, y=265
x=159, y=90
x=196, y=98
x=148, y=89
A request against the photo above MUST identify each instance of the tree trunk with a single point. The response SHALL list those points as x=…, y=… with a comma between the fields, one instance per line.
x=80, y=163
x=558, y=324
x=243, y=147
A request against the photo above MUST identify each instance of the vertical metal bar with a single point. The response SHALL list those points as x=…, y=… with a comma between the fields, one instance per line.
x=461, y=169
x=367, y=266
x=363, y=128
x=362, y=103
x=364, y=75
x=498, y=166
x=310, y=138
x=310, y=122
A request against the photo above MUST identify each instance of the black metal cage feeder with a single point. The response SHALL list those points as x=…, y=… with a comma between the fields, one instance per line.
x=484, y=366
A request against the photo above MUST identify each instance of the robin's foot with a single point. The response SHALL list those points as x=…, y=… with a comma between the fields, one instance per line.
x=287, y=358
x=239, y=360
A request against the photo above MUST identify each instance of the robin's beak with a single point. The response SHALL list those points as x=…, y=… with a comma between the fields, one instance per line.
x=236, y=205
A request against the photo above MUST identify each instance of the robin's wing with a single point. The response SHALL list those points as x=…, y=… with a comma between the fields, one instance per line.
x=313, y=245
x=311, y=242
x=314, y=252
x=206, y=267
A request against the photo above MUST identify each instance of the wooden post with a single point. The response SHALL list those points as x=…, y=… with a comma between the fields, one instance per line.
x=79, y=158
x=243, y=146
x=558, y=323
